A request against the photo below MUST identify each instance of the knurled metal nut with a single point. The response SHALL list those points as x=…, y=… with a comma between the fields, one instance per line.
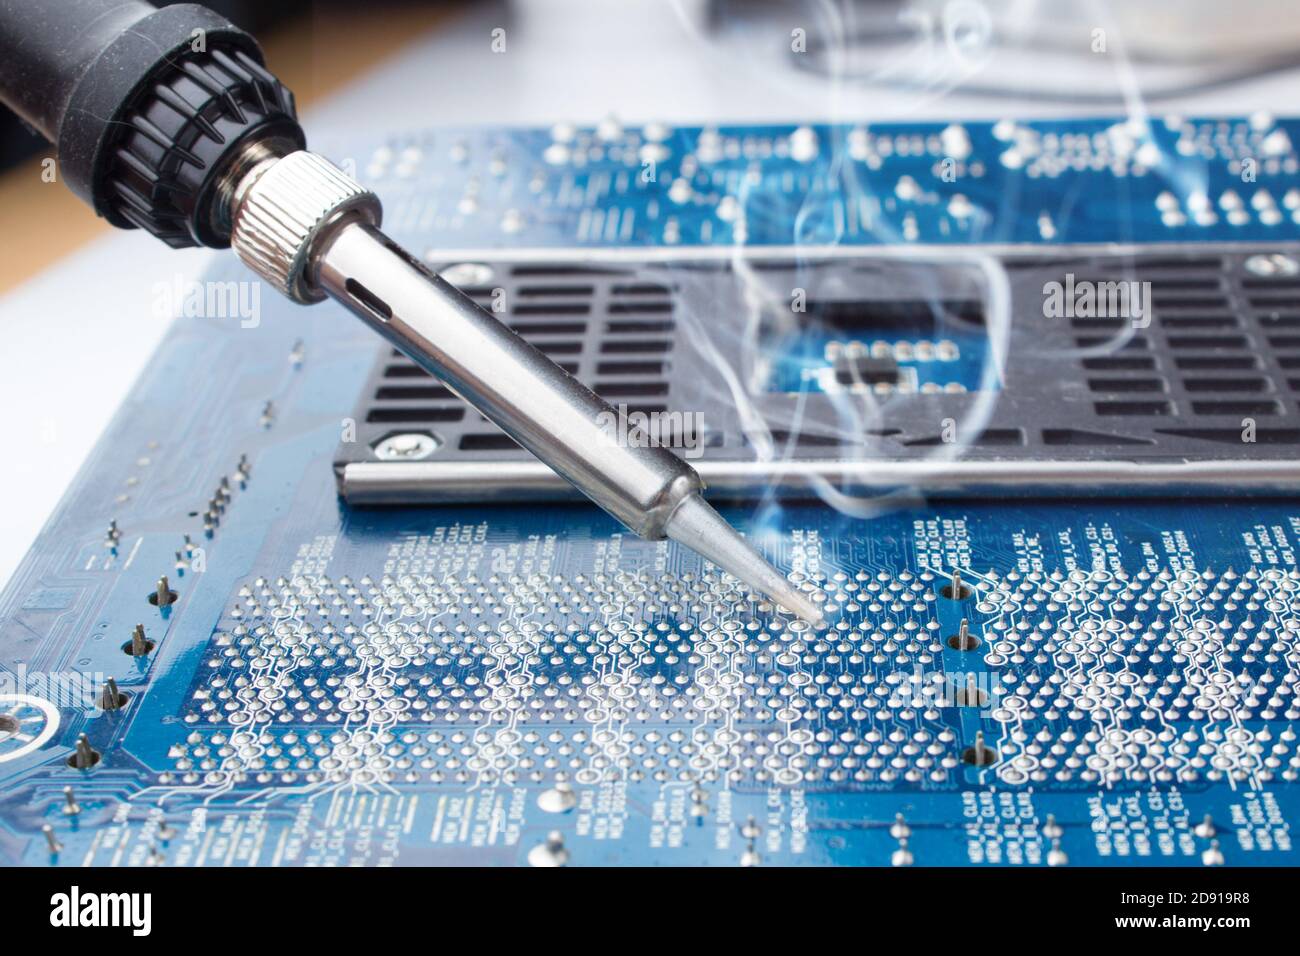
x=281, y=215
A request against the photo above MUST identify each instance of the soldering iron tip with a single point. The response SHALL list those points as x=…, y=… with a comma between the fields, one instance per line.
x=696, y=525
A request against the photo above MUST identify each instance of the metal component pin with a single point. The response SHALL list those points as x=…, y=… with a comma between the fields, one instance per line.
x=980, y=751
x=84, y=756
x=111, y=698
x=900, y=830
x=699, y=804
x=164, y=595
x=902, y=856
x=1205, y=829
x=139, y=643
x=1213, y=856
x=70, y=805
x=1056, y=856
x=963, y=640
x=551, y=853
x=1051, y=829
x=50, y=839
x=956, y=589
x=559, y=799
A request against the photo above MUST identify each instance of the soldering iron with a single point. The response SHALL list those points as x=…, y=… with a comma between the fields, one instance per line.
x=168, y=120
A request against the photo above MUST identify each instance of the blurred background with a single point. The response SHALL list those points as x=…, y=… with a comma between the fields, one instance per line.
x=76, y=296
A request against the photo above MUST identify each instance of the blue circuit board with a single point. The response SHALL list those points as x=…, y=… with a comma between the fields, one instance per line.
x=1053, y=182
x=515, y=685
x=815, y=361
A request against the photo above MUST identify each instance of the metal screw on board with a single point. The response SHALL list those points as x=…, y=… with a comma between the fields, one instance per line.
x=409, y=446
x=467, y=274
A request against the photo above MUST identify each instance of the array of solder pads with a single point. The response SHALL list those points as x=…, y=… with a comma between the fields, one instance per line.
x=1042, y=183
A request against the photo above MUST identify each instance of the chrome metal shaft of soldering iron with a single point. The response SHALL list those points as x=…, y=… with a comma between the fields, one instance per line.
x=535, y=402
x=305, y=226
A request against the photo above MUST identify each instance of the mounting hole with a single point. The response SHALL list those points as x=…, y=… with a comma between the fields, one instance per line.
x=171, y=598
x=148, y=648
x=122, y=700
x=962, y=592
x=94, y=759
x=9, y=726
x=967, y=643
x=970, y=756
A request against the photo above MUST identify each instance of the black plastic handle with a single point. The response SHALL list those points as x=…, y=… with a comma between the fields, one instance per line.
x=145, y=106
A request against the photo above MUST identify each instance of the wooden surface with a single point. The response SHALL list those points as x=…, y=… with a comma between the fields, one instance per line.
x=42, y=222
